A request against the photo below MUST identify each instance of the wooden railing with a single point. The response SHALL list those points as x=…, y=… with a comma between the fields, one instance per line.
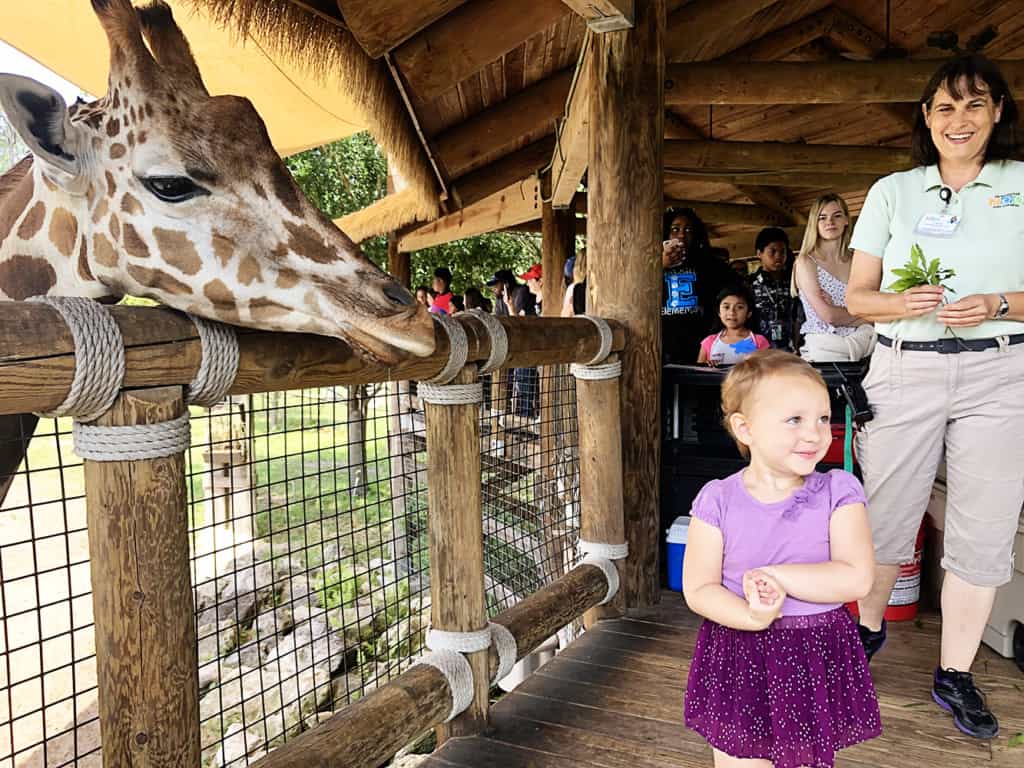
x=145, y=635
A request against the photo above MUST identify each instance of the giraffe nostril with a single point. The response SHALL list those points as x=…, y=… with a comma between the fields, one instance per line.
x=398, y=294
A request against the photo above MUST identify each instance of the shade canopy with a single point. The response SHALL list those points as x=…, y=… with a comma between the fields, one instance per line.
x=300, y=110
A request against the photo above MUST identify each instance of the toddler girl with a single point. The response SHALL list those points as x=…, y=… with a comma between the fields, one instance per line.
x=779, y=676
x=735, y=341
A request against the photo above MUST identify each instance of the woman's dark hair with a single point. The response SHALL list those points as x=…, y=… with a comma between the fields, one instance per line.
x=474, y=299
x=741, y=290
x=770, y=235
x=700, y=231
x=458, y=303
x=982, y=76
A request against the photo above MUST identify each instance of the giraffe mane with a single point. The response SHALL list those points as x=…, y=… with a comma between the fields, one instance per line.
x=13, y=177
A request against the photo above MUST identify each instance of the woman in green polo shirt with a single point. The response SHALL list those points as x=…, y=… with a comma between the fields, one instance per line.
x=947, y=371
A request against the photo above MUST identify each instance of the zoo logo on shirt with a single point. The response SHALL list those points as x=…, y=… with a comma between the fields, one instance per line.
x=680, y=293
x=1009, y=200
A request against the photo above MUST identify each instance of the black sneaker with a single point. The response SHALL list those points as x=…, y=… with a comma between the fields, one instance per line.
x=871, y=640
x=955, y=692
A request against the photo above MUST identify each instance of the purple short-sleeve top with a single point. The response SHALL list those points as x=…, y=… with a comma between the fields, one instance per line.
x=794, y=530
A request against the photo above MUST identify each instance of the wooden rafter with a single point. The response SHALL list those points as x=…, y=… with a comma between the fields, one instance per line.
x=500, y=129
x=515, y=204
x=773, y=200
x=478, y=184
x=853, y=36
x=569, y=161
x=746, y=156
x=826, y=82
x=781, y=42
x=383, y=24
x=689, y=29
x=467, y=39
x=832, y=178
x=604, y=15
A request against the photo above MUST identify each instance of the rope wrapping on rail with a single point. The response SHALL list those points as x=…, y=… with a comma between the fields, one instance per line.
x=463, y=642
x=458, y=673
x=611, y=574
x=99, y=357
x=499, y=341
x=598, y=372
x=507, y=647
x=219, y=365
x=607, y=551
x=605, y=332
x=135, y=442
x=458, y=349
x=451, y=394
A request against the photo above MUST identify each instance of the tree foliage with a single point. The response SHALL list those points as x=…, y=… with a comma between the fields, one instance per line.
x=350, y=174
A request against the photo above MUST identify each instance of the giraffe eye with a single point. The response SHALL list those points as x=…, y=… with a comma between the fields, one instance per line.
x=173, y=189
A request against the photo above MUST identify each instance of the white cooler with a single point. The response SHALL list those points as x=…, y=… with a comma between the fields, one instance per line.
x=1008, y=610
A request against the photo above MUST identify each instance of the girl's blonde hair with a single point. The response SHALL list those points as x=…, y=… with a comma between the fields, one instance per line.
x=809, y=246
x=738, y=387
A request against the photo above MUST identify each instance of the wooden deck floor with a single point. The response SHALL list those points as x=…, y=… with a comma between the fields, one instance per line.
x=615, y=699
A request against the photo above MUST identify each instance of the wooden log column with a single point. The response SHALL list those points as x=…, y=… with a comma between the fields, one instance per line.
x=455, y=523
x=624, y=208
x=142, y=597
x=601, y=509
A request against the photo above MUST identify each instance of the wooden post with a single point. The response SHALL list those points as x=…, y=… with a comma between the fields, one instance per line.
x=455, y=522
x=601, y=504
x=142, y=597
x=624, y=209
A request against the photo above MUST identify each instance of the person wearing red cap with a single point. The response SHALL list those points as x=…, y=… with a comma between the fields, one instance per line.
x=534, y=278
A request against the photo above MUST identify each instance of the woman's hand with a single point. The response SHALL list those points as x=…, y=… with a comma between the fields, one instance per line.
x=922, y=300
x=765, y=597
x=672, y=253
x=969, y=311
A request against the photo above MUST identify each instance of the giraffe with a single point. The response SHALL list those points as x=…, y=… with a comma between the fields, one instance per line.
x=161, y=190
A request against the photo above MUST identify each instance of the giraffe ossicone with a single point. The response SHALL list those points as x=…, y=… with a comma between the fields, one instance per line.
x=159, y=189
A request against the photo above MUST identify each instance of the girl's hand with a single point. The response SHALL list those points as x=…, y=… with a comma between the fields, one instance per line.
x=765, y=597
x=921, y=300
x=672, y=252
x=969, y=311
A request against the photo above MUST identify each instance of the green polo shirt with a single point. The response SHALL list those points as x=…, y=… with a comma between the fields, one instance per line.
x=986, y=250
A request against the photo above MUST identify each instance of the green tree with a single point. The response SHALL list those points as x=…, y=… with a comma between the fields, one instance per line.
x=350, y=174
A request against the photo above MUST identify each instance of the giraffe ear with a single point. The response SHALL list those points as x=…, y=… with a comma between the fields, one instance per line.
x=40, y=116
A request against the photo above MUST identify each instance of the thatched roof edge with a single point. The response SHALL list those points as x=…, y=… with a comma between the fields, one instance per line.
x=324, y=49
x=386, y=215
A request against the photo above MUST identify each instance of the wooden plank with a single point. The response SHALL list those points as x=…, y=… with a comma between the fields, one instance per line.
x=825, y=179
x=146, y=665
x=689, y=29
x=468, y=38
x=775, y=201
x=781, y=42
x=569, y=161
x=792, y=82
x=383, y=24
x=483, y=182
x=854, y=36
x=733, y=213
x=513, y=205
x=751, y=155
x=604, y=15
x=500, y=129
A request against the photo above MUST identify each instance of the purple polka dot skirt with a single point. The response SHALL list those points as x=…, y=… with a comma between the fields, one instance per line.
x=793, y=694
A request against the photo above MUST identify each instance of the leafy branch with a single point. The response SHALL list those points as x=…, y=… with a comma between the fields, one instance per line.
x=919, y=272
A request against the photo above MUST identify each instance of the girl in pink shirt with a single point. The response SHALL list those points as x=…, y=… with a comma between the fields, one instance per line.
x=735, y=341
x=779, y=676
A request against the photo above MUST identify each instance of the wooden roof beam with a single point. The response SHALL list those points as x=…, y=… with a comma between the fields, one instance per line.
x=854, y=36
x=714, y=213
x=775, y=45
x=381, y=25
x=476, y=185
x=835, y=178
x=689, y=29
x=498, y=130
x=746, y=156
x=825, y=82
x=470, y=37
x=569, y=161
x=517, y=203
x=325, y=9
x=604, y=15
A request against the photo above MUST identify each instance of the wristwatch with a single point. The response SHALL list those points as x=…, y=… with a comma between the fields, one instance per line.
x=1004, y=307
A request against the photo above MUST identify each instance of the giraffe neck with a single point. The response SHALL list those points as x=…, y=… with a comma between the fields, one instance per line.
x=44, y=244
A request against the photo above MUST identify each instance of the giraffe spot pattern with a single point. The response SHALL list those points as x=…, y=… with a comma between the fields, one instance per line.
x=15, y=203
x=117, y=151
x=158, y=280
x=113, y=127
x=63, y=231
x=285, y=189
x=223, y=300
x=130, y=205
x=308, y=243
x=25, y=276
x=32, y=222
x=261, y=310
x=83, y=262
x=175, y=248
x=97, y=144
x=249, y=270
x=115, y=227
x=134, y=244
x=100, y=212
x=287, y=278
x=142, y=137
x=48, y=183
x=259, y=189
x=223, y=248
x=103, y=251
x=111, y=184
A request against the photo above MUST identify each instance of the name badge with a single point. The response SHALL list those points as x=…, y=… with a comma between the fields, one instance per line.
x=937, y=225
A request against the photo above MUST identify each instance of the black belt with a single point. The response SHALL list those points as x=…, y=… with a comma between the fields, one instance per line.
x=952, y=345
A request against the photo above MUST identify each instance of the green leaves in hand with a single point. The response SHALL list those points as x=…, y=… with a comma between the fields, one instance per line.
x=917, y=272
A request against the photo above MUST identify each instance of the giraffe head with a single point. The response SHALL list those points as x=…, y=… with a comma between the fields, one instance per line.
x=179, y=196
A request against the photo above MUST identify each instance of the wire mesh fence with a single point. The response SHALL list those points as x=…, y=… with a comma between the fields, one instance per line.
x=310, y=565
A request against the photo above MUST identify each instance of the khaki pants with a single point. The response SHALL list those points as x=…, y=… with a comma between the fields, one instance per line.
x=970, y=406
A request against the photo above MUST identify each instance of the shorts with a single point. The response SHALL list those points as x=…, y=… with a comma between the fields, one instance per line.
x=970, y=407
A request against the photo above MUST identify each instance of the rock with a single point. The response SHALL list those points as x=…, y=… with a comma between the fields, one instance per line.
x=236, y=745
x=409, y=761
